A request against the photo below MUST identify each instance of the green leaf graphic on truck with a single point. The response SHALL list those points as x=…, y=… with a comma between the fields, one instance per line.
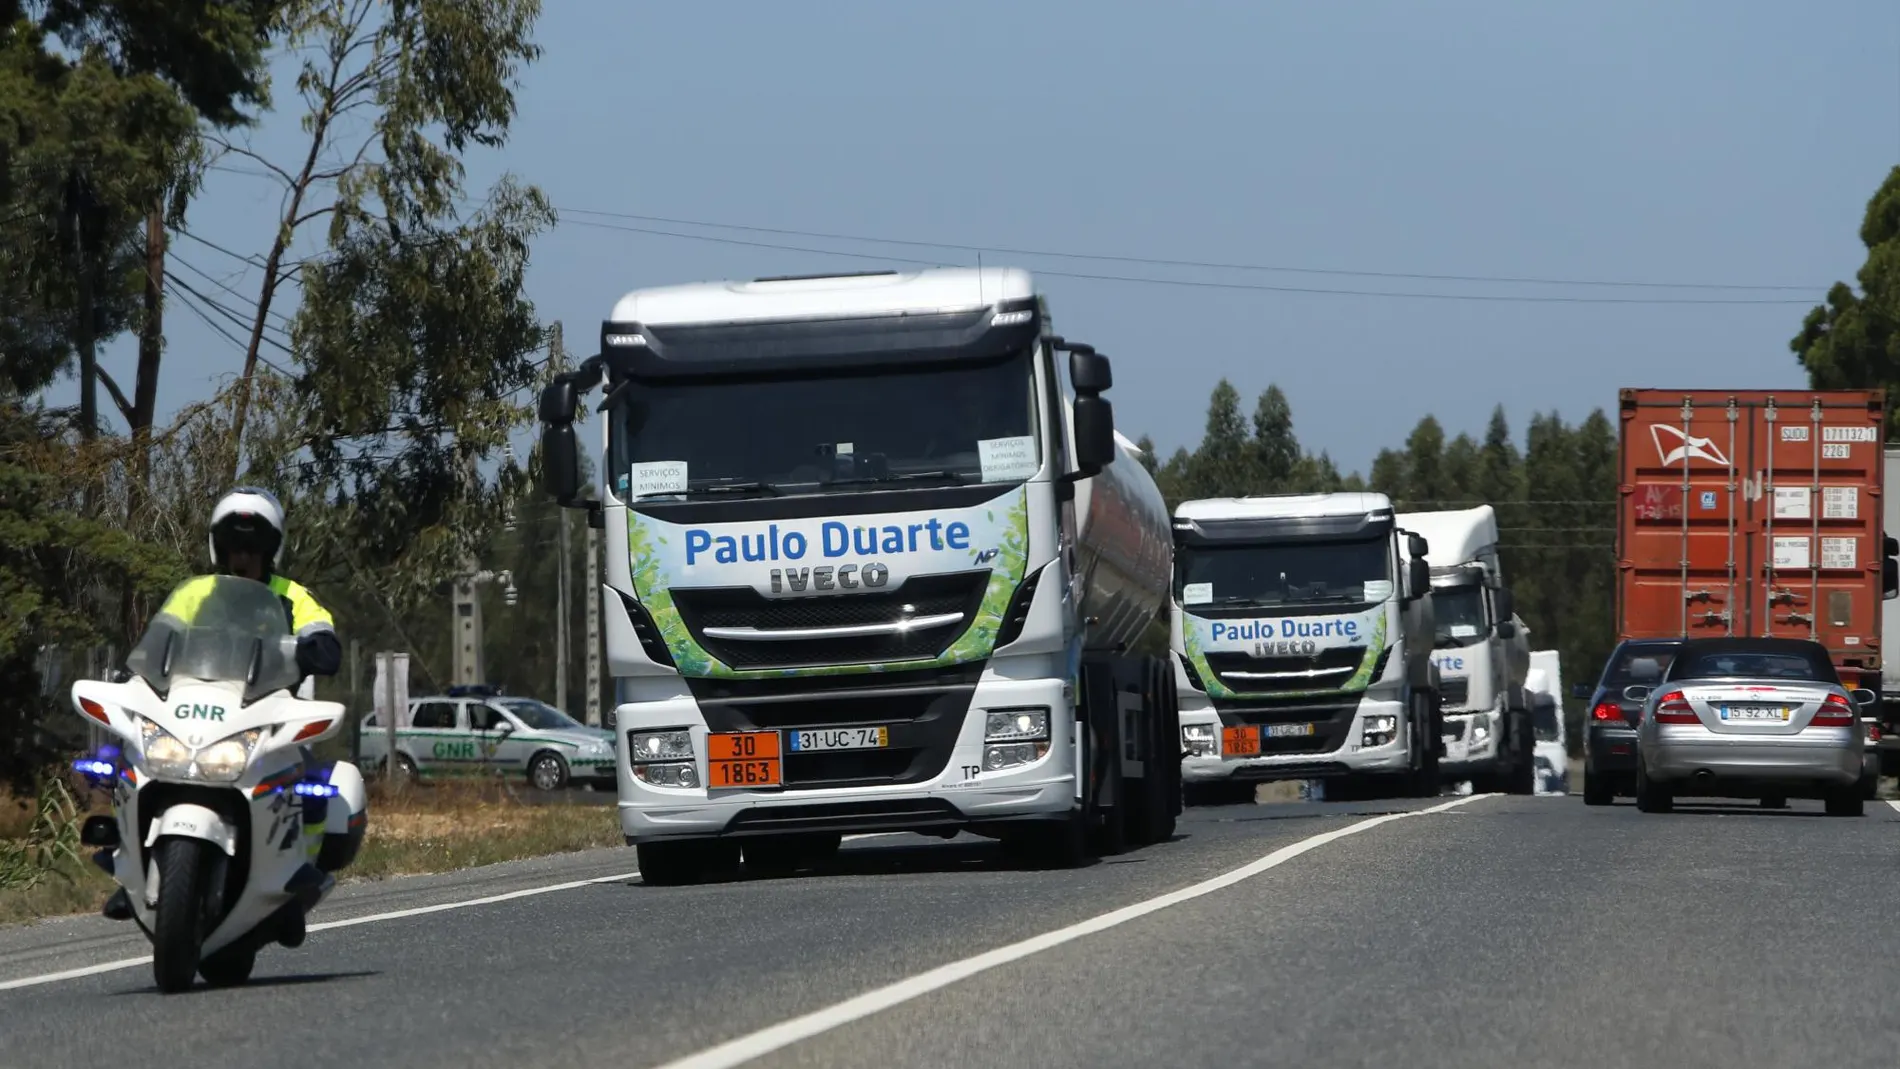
x=995, y=533
x=1193, y=641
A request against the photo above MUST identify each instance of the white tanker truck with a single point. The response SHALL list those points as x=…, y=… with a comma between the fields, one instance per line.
x=878, y=562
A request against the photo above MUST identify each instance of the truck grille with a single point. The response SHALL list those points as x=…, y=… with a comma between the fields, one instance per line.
x=1331, y=720
x=790, y=632
x=1247, y=674
x=924, y=711
x=1454, y=693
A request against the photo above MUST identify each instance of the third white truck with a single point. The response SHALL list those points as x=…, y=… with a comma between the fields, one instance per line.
x=1302, y=639
x=1482, y=651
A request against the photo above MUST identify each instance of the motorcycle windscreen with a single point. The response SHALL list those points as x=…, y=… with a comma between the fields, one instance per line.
x=218, y=628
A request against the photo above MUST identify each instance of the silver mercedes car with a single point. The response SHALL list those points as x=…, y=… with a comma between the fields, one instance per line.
x=1763, y=718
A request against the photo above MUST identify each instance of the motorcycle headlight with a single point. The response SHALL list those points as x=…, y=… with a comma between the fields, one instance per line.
x=221, y=762
x=226, y=759
x=165, y=756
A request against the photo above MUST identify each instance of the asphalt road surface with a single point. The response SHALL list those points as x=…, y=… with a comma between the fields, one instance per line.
x=1469, y=933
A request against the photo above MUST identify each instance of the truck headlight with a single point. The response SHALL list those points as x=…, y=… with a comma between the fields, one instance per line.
x=1480, y=733
x=663, y=758
x=1027, y=724
x=1380, y=729
x=1198, y=740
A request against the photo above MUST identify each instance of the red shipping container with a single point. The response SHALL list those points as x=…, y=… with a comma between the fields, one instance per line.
x=1754, y=512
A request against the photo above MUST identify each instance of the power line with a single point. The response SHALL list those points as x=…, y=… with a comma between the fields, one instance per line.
x=1212, y=265
x=1167, y=262
x=1255, y=287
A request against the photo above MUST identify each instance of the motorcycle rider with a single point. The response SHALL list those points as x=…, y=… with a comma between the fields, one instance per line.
x=247, y=538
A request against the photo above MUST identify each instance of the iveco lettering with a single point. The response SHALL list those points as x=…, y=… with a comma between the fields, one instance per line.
x=923, y=587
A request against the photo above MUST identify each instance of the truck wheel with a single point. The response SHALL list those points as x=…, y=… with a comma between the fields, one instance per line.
x=1108, y=823
x=1150, y=812
x=665, y=864
x=1522, y=776
x=1424, y=776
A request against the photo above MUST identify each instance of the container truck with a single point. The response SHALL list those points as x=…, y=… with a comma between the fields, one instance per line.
x=1482, y=651
x=1302, y=642
x=879, y=562
x=1759, y=513
x=1545, y=683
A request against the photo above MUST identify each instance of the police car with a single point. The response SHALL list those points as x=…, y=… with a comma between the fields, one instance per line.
x=480, y=730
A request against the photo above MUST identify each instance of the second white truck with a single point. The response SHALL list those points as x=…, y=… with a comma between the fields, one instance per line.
x=1302, y=641
x=1482, y=651
x=1546, y=686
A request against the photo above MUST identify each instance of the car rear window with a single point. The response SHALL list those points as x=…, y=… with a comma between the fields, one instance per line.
x=1754, y=664
x=1638, y=665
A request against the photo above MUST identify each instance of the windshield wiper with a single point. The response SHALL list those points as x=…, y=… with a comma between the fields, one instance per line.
x=770, y=489
x=905, y=477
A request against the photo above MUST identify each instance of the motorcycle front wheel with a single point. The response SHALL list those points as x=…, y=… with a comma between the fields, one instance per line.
x=178, y=932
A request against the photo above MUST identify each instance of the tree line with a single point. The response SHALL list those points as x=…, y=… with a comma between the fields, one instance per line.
x=1555, y=498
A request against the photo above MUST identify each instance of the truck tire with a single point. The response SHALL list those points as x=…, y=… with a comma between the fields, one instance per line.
x=1151, y=810
x=673, y=864
x=1423, y=780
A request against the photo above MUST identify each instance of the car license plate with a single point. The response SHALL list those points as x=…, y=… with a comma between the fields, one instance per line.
x=1289, y=731
x=840, y=739
x=1240, y=742
x=1755, y=712
x=744, y=759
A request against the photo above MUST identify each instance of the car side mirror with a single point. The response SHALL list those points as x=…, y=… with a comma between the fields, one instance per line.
x=1581, y=691
x=1094, y=435
x=1863, y=697
x=1636, y=694
x=503, y=728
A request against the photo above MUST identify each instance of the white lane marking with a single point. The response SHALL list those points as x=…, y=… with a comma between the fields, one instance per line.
x=785, y=1033
x=1895, y=803
x=131, y=963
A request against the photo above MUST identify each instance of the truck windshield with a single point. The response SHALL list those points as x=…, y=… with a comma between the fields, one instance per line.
x=969, y=424
x=1285, y=573
x=1459, y=612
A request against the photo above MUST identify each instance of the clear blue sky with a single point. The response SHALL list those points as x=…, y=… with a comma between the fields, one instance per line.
x=1721, y=141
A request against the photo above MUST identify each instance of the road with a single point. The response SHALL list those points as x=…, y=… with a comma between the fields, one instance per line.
x=1327, y=934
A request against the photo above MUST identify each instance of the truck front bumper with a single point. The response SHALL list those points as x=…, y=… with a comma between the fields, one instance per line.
x=1471, y=744
x=1201, y=725
x=959, y=795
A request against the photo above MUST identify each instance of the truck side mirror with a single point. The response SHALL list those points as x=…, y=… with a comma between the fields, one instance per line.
x=1089, y=372
x=1890, y=566
x=1418, y=578
x=1506, y=607
x=1506, y=629
x=1094, y=435
x=560, y=462
x=1416, y=547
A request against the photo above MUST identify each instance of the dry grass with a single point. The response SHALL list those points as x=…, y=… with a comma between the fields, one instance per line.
x=437, y=828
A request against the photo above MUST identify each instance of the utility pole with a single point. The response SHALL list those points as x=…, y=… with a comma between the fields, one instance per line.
x=466, y=620
x=561, y=626
x=593, y=626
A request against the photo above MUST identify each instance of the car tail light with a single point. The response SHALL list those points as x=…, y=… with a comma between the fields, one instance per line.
x=1835, y=712
x=1607, y=711
x=1673, y=708
x=1873, y=732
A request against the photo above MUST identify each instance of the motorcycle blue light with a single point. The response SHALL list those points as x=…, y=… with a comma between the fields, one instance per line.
x=315, y=790
x=93, y=767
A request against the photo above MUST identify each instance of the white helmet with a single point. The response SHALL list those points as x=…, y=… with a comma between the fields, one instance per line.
x=250, y=518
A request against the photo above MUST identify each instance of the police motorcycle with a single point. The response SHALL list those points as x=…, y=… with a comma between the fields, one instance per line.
x=224, y=834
